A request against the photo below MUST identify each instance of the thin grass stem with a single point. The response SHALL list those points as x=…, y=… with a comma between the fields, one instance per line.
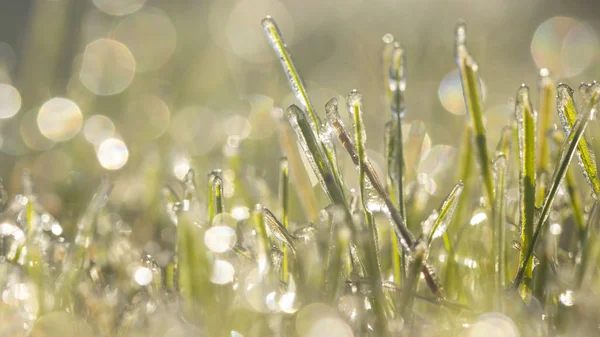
x=526, y=127
x=473, y=100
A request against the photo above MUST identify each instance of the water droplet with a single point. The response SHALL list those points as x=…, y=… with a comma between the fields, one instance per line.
x=112, y=154
x=59, y=119
x=478, y=218
x=567, y=298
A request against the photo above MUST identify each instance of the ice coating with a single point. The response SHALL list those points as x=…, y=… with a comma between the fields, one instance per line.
x=278, y=230
x=567, y=113
x=285, y=58
x=397, y=81
x=295, y=116
x=447, y=210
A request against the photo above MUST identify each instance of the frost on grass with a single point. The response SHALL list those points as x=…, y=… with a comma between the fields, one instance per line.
x=390, y=259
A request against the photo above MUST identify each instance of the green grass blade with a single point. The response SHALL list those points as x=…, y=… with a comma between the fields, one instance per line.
x=397, y=85
x=568, y=150
x=500, y=252
x=397, y=260
x=289, y=68
x=210, y=195
x=547, y=102
x=284, y=203
x=367, y=192
x=217, y=190
x=498, y=232
x=386, y=57
x=444, y=215
x=405, y=237
x=299, y=90
x=412, y=279
x=258, y=221
x=315, y=155
x=526, y=128
x=473, y=100
x=585, y=155
x=278, y=230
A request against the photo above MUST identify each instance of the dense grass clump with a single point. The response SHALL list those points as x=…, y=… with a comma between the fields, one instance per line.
x=372, y=261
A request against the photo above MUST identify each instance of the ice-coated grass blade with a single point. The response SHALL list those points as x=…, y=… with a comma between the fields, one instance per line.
x=525, y=117
x=404, y=236
x=412, y=280
x=386, y=56
x=354, y=101
x=217, y=191
x=569, y=148
x=339, y=264
x=302, y=183
x=500, y=165
x=473, y=100
x=396, y=84
x=315, y=155
x=85, y=231
x=547, y=102
x=572, y=190
x=289, y=68
x=445, y=214
x=397, y=260
x=263, y=251
x=587, y=245
x=210, y=195
x=278, y=230
x=567, y=113
x=464, y=174
x=284, y=204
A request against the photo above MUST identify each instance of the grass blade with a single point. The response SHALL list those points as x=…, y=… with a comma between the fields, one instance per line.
x=367, y=192
x=568, y=150
x=526, y=128
x=585, y=155
x=547, y=102
x=445, y=214
x=405, y=237
x=473, y=100
x=284, y=203
x=278, y=230
x=396, y=81
x=289, y=68
x=501, y=163
x=315, y=155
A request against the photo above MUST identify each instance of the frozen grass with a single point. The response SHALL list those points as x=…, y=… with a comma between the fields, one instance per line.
x=357, y=269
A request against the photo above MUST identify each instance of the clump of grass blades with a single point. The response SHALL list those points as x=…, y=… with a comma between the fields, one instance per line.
x=356, y=269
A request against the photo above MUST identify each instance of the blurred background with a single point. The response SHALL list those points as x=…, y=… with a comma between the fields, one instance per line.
x=143, y=90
